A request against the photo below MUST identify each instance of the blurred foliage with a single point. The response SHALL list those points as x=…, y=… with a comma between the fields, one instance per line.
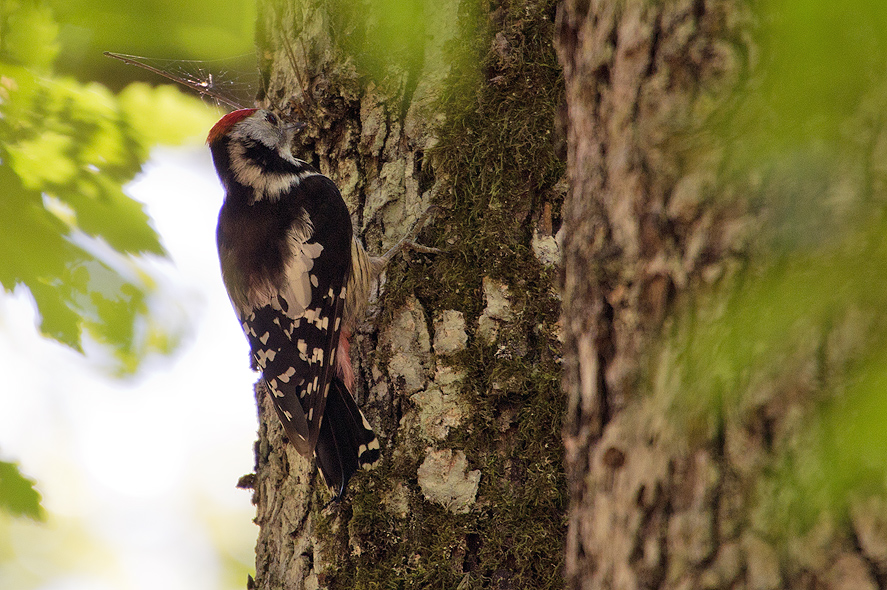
x=196, y=29
x=822, y=58
x=69, y=233
x=816, y=61
x=55, y=553
x=796, y=338
x=384, y=37
x=17, y=494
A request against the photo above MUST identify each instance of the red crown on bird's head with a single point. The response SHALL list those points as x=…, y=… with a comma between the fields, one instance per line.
x=225, y=124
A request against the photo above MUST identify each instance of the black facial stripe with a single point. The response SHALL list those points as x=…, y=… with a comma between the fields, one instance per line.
x=269, y=160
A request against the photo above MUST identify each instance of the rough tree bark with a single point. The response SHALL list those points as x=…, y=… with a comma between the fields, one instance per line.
x=458, y=363
x=651, y=216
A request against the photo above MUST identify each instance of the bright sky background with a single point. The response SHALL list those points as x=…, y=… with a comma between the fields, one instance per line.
x=138, y=475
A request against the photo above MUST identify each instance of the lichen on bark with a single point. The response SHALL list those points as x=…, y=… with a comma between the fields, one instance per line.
x=470, y=491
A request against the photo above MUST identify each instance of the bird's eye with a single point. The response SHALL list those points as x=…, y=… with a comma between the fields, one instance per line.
x=271, y=118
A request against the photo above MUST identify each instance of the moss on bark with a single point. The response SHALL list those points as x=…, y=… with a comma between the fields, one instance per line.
x=471, y=128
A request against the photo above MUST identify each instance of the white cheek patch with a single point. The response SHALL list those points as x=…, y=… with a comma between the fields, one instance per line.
x=265, y=183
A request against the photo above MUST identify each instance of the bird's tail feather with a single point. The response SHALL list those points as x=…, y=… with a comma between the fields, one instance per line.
x=346, y=441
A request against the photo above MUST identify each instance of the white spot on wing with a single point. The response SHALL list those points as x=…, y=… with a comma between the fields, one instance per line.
x=316, y=356
x=285, y=376
x=295, y=294
x=263, y=356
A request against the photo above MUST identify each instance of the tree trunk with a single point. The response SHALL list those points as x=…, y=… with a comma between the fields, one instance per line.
x=458, y=362
x=653, y=215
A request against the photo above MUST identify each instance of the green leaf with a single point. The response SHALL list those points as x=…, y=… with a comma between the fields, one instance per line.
x=165, y=114
x=17, y=494
x=67, y=230
x=31, y=35
x=819, y=60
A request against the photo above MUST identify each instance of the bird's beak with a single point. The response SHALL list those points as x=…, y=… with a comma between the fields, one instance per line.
x=295, y=126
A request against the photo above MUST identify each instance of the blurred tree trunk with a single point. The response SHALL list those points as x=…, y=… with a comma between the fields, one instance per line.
x=410, y=104
x=652, y=214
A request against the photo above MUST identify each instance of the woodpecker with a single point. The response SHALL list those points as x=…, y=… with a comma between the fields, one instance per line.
x=299, y=281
